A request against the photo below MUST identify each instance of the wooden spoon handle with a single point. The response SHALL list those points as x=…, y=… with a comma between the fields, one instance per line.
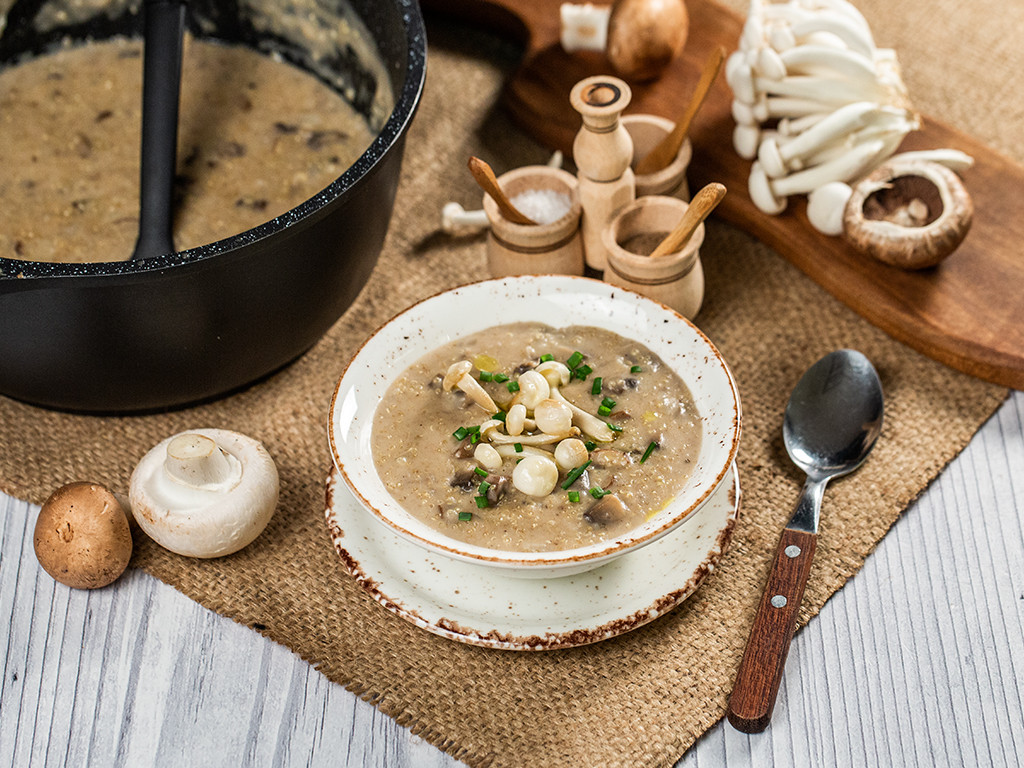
x=488, y=182
x=760, y=672
x=700, y=207
x=666, y=150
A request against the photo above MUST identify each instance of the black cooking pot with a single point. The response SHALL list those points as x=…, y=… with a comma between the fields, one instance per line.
x=144, y=335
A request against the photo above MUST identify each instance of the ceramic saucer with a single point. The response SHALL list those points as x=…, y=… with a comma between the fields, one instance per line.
x=479, y=606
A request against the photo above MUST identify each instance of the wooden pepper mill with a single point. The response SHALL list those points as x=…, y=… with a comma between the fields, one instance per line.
x=602, y=151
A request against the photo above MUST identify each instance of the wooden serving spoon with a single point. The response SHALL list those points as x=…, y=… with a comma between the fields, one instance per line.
x=703, y=203
x=488, y=182
x=666, y=150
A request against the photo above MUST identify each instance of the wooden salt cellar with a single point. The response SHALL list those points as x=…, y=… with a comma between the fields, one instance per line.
x=676, y=279
x=534, y=249
x=647, y=131
x=602, y=152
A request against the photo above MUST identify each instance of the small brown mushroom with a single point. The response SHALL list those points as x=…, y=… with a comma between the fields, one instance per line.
x=645, y=35
x=82, y=538
x=908, y=212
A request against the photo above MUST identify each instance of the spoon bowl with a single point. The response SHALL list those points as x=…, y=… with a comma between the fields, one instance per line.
x=832, y=421
x=834, y=415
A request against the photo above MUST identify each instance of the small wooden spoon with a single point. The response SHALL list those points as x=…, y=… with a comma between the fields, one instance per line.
x=703, y=203
x=485, y=177
x=666, y=150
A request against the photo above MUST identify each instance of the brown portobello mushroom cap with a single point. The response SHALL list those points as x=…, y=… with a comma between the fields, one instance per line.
x=908, y=212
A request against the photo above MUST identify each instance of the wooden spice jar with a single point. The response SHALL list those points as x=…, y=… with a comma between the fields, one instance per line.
x=647, y=131
x=602, y=151
x=676, y=279
x=532, y=249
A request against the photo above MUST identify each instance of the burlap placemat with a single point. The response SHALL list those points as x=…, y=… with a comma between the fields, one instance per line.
x=643, y=698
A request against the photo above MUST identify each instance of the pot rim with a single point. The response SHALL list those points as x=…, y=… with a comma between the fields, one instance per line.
x=406, y=103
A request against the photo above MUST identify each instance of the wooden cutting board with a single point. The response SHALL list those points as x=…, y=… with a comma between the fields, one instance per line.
x=966, y=313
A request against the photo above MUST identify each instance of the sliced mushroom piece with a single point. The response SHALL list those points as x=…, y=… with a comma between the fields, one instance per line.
x=497, y=488
x=465, y=479
x=609, y=458
x=908, y=212
x=606, y=511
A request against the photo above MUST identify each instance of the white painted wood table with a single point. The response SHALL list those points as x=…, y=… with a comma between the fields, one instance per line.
x=918, y=661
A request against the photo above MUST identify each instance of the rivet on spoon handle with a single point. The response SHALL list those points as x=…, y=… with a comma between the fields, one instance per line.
x=760, y=672
x=666, y=150
x=700, y=207
x=488, y=182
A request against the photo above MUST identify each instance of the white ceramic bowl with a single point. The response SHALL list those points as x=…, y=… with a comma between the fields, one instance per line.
x=558, y=301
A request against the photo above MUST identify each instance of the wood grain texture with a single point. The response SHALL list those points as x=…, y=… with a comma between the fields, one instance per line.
x=764, y=659
x=931, y=630
x=962, y=313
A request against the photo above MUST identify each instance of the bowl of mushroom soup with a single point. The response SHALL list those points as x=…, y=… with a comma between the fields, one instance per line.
x=541, y=425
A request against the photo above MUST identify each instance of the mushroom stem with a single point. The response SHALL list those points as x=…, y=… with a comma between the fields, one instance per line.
x=198, y=462
x=587, y=422
x=457, y=220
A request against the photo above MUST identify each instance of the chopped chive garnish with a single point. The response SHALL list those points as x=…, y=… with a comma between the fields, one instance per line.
x=513, y=386
x=518, y=447
x=574, y=496
x=608, y=403
x=460, y=433
x=613, y=427
x=604, y=410
x=474, y=438
x=501, y=378
x=590, y=445
x=595, y=389
x=484, y=488
x=636, y=369
x=546, y=358
x=574, y=475
x=481, y=502
x=582, y=372
x=500, y=416
x=649, y=451
x=574, y=359
x=473, y=430
x=465, y=516
x=597, y=492
x=486, y=376
x=480, y=471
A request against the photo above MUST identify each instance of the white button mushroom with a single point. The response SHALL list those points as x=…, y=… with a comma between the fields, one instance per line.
x=204, y=493
x=487, y=456
x=535, y=476
x=826, y=207
x=553, y=417
x=570, y=453
x=555, y=373
x=515, y=419
x=533, y=388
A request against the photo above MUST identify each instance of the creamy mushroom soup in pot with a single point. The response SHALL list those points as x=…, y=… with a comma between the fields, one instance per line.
x=528, y=438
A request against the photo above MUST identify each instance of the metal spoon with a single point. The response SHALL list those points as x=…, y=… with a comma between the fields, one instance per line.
x=832, y=421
